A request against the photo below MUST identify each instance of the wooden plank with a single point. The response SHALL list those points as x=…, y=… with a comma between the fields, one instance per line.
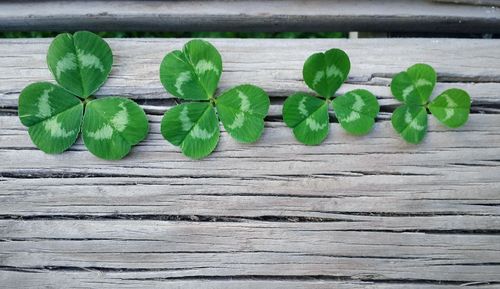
x=473, y=2
x=22, y=280
x=125, y=280
x=376, y=174
x=321, y=15
x=471, y=64
x=164, y=250
x=355, y=212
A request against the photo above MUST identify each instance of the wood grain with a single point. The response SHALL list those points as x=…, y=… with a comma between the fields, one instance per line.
x=355, y=212
x=131, y=280
x=276, y=15
x=266, y=178
x=473, y=2
x=165, y=250
x=274, y=65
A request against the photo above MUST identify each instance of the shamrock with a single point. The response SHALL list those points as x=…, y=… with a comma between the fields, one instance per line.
x=193, y=74
x=308, y=115
x=54, y=113
x=414, y=87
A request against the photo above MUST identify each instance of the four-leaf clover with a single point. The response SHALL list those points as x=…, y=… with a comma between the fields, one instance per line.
x=414, y=87
x=193, y=74
x=55, y=114
x=308, y=115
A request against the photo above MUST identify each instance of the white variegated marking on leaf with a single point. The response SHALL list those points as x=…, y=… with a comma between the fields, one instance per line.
x=353, y=116
x=449, y=113
x=450, y=104
x=449, y=101
x=44, y=109
x=239, y=119
x=302, y=107
x=358, y=102
x=245, y=102
x=204, y=65
x=356, y=108
x=201, y=133
x=333, y=70
x=120, y=120
x=88, y=60
x=419, y=83
x=423, y=82
x=408, y=117
x=317, y=77
x=408, y=90
x=105, y=132
x=413, y=122
x=186, y=122
x=179, y=82
x=314, y=125
x=55, y=128
x=68, y=62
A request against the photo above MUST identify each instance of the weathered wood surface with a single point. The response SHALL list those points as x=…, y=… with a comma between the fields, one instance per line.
x=355, y=212
x=473, y=2
x=275, y=65
x=276, y=15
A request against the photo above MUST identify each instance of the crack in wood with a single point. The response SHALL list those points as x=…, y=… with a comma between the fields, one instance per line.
x=363, y=277
x=264, y=219
x=40, y=174
x=93, y=268
x=374, y=278
x=177, y=218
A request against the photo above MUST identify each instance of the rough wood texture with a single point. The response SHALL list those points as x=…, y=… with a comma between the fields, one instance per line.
x=473, y=2
x=322, y=15
x=275, y=65
x=355, y=212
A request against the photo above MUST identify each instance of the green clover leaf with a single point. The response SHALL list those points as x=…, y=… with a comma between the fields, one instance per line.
x=356, y=111
x=193, y=127
x=80, y=62
x=242, y=111
x=414, y=87
x=410, y=121
x=325, y=72
x=451, y=107
x=193, y=74
x=55, y=114
x=112, y=125
x=308, y=115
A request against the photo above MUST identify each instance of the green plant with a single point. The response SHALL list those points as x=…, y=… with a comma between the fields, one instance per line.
x=308, y=115
x=414, y=87
x=193, y=75
x=55, y=114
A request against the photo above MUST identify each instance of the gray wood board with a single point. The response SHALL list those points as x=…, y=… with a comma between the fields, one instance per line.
x=355, y=212
x=169, y=251
x=275, y=65
x=322, y=15
x=473, y=2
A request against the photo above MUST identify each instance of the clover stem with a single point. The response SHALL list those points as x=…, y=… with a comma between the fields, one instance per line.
x=88, y=99
x=213, y=101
